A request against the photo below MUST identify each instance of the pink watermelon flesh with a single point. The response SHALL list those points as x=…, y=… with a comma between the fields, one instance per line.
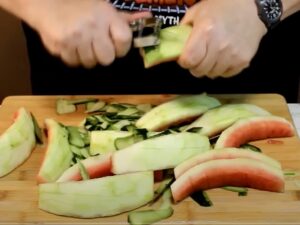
x=96, y=167
x=226, y=153
x=254, y=128
x=228, y=172
x=158, y=175
x=58, y=155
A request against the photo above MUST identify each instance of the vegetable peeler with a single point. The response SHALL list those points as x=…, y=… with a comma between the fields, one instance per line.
x=146, y=32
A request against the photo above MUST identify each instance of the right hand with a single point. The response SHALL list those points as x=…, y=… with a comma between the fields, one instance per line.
x=225, y=37
x=82, y=32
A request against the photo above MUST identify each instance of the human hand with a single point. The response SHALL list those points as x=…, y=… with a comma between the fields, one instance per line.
x=225, y=37
x=85, y=32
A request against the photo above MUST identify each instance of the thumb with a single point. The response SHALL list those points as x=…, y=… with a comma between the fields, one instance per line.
x=189, y=16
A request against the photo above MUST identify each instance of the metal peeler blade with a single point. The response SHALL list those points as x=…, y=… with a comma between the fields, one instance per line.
x=146, y=32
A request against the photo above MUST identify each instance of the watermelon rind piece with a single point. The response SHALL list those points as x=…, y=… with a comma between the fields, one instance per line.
x=95, y=166
x=172, y=41
x=217, y=119
x=239, y=172
x=225, y=153
x=163, y=152
x=58, y=155
x=173, y=112
x=254, y=128
x=17, y=142
x=99, y=197
x=103, y=142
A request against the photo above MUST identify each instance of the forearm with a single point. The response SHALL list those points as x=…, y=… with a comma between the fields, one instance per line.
x=16, y=7
x=290, y=7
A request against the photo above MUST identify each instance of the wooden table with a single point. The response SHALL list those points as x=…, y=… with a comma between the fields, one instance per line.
x=19, y=192
x=294, y=109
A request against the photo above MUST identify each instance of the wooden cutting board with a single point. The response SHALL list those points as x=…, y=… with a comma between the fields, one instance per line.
x=19, y=192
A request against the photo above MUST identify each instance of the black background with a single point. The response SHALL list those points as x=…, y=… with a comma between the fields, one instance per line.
x=274, y=69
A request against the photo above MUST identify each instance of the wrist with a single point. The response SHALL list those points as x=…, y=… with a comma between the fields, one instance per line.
x=290, y=7
x=19, y=8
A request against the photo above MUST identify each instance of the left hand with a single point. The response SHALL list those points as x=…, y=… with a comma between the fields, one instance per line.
x=225, y=37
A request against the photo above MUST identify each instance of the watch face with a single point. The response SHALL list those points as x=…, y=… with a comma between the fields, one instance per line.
x=272, y=9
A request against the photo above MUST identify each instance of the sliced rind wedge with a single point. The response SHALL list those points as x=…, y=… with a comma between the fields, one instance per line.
x=172, y=41
x=226, y=153
x=95, y=166
x=58, y=155
x=239, y=172
x=17, y=142
x=215, y=120
x=102, y=142
x=176, y=111
x=163, y=152
x=254, y=128
x=99, y=197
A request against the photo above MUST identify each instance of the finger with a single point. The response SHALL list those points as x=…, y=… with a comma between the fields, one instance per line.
x=70, y=57
x=189, y=17
x=86, y=54
x=194, y=51
x=121, y=35
x=50, y=45
x=103, y=48
x=221, y=66
x=208, y=62
x=136, y=15
x=67, y=53
x=123, y=38
x=238, y=66
x=232, y=71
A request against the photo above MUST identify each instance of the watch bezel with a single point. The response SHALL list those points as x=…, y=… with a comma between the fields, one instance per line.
x=263, y=13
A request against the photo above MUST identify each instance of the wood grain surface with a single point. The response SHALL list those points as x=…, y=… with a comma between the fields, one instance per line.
x=19, y=191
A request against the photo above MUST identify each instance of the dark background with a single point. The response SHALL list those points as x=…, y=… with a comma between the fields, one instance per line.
x=275, y=69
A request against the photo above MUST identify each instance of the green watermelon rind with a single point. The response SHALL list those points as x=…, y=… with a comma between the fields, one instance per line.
x=177, y=110
x=17, y=142
x=99, y=197
x=217, y=119
x=163, y=152
x=58, y=155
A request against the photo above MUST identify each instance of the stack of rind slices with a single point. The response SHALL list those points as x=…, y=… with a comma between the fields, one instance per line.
x=113, y=161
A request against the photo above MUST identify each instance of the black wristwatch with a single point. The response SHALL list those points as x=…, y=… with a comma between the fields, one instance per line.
x=269, y=11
